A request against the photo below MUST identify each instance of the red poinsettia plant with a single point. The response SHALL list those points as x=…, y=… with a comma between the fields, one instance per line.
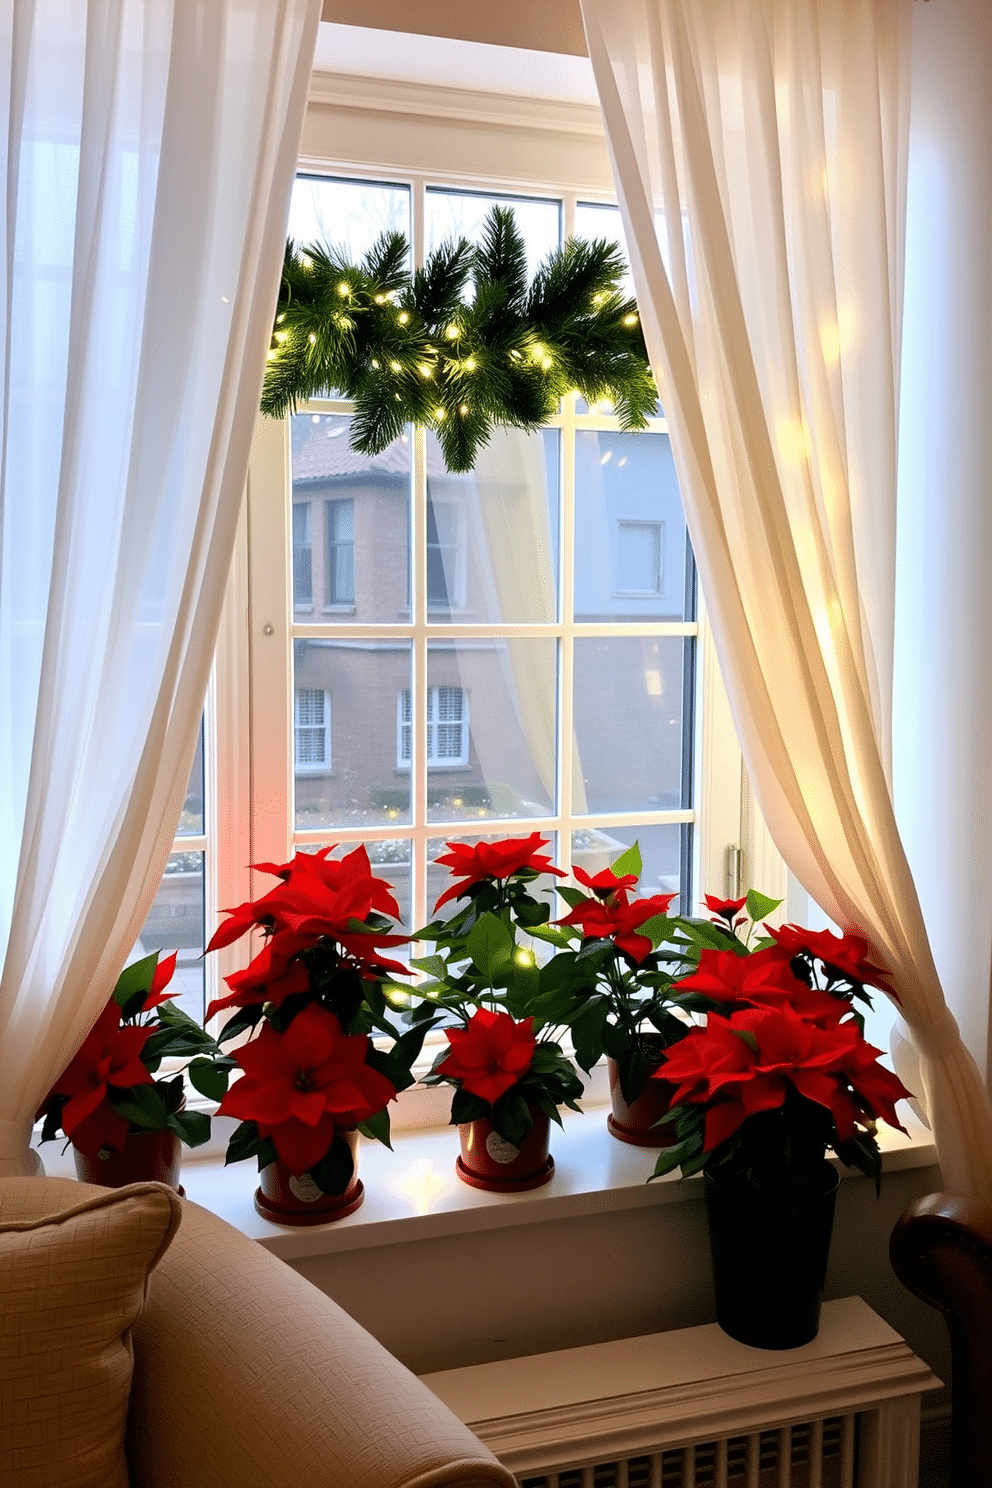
x=617, y=952
x=503, y=1056
x=312, y=999
x=780, y=1071
x=109, y=1091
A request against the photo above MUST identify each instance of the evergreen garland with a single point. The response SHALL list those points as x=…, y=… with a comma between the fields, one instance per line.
x=416, y=351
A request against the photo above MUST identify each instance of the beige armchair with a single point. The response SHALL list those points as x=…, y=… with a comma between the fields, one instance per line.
x=247, y=1376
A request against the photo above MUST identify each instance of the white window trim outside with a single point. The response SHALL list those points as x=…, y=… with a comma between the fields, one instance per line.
x=312, y=767
x=404, y=729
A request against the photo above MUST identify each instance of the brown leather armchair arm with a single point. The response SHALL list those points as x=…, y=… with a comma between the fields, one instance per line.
x=941, y=1249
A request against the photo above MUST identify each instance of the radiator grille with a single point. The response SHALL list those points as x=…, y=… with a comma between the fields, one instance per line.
x=806, y=1454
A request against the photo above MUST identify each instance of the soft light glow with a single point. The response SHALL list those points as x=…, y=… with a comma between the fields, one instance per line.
x=426, y=371
x=315, y=418
x=451, y=332
x=604, y=406
x=403, y=317
x=470, y=364
x=399, y=997
x=523, y=956
x=380, y=299
x=421, y=1185
x=630, y=320
x=375, y=364
x=343, y=290
x=439, y=414
x=463, y=408
x=606, y=457
x=396, y=367
x=653, y=683
x=312, y=339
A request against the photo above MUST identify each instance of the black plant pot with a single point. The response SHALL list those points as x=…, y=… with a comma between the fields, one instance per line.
x=769, y=1253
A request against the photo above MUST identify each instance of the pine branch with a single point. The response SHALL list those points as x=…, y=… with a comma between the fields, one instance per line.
x=415, y=350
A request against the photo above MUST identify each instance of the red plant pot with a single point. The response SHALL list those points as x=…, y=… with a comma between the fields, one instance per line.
x=146, y=1157
x=635, y=1122
x=294, y=1199
x=487, y=1161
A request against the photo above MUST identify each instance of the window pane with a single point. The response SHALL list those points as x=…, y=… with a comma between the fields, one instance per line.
x=347, y=215
x=358, y=522
x=630, y=535
x=175, y=923
x=361, y=783
x=492, y=534
x=628, y=723
x=191, y=816
x=491, y=711
x=594, y=848
x=302, y=555
x=462, y=214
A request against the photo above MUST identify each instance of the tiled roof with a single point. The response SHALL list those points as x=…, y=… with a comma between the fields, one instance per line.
x=322, y=451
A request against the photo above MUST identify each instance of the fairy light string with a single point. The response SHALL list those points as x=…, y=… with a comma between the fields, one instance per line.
x=464, y=344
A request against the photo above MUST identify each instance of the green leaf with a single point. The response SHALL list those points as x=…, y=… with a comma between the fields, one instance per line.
x=142, y=1105
x=658, y=928
x=572, y=897
x=336, y=1168
x=377, y=1127
x=433, y=965
x=747, y=1037
x=244, y=1143
x=191, y=1127
x=209, y=1079
x=629, y=862
x=511, y=1116
x=555, y=935
x=134, y=979
x=490, y=945
x=759, y=906
x=468, y=1107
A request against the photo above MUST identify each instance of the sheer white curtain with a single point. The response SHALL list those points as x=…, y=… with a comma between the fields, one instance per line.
x=772, y=135
x=150, y=152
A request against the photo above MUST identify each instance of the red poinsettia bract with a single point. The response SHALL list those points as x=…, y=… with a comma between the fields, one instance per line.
x=316, y=893
x=109, y=1055
x=763, y=979
x=162, y=976
x=747, y=1063
x=298, y=1086
x=618, y=919
x=848, y=954
x=490, y=1054
x=493, y=860
x=605, y=883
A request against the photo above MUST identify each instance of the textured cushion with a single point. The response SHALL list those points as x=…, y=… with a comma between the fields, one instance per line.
x=72, y=1286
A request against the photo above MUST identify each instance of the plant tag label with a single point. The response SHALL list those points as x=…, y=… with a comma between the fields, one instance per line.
x=500, y=1150
x=304, y=1189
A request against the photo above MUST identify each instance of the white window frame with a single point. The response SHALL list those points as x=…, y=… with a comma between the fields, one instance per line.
x=549, y=150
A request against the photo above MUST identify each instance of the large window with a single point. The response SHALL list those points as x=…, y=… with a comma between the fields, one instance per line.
x=507, y=650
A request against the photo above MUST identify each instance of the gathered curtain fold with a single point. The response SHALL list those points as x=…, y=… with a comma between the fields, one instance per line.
x=151, y=147
x=760, y=157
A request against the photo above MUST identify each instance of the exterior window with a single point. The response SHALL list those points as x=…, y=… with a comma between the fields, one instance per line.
x=640, y=557
x=447, y=726
x=444, y=556
x=302, y=556
x=313, y=728
x=340, y=519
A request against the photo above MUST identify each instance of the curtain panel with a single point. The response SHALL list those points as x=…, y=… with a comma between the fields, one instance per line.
x=150, y=152
x=760, y=154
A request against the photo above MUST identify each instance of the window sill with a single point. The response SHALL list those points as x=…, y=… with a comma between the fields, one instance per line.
x=412, y=1193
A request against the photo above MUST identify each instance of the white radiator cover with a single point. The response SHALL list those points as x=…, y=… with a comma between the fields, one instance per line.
x=695, y=1409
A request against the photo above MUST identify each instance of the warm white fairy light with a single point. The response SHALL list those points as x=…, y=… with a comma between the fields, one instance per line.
x=396, y=368
x=630, y=320
x=403, y=317
x=470, y=364
x=463, y=408
x=344, y=290
x=312, y=339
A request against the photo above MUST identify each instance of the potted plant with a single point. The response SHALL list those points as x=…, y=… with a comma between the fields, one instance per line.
x=624, y=971
x=125, y=1125
x=503, y=1057
x=779, y=1074
x=312, y=999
